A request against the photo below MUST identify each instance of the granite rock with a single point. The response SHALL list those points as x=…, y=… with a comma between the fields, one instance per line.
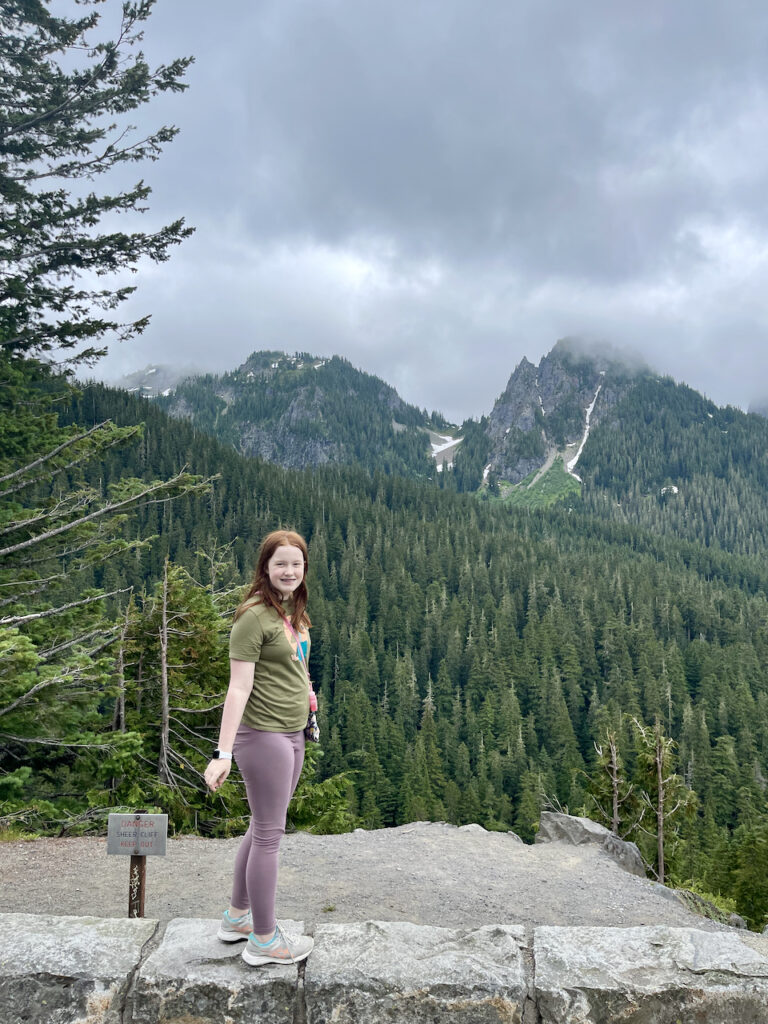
x=394, y=971
x=192, y=976
x=653, y=975
x=68, y=970
x=569, y=828
x=116, y=971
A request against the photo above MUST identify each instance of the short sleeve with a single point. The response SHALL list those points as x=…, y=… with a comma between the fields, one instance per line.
x=246, y=637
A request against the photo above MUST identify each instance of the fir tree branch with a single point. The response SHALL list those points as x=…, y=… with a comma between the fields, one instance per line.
x=16, y=620
x=111, y=632
x=44, y=684
x=54, y=743
x=192, y=732
x=197, y=711
x=50, y=455
x=108, y=509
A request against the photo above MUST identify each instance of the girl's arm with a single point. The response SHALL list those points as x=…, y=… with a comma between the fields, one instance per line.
x=240, y=686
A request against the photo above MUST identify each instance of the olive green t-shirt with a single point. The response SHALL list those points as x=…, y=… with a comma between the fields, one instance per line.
x=279, y=700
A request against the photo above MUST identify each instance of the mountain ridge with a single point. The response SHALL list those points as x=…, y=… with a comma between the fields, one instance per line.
x=588, y=426
x=268, y=408
x=543, y=410
x=306, y=410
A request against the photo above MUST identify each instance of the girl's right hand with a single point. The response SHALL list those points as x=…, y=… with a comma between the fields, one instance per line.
x=216, y=773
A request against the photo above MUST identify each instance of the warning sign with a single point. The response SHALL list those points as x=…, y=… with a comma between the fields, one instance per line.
x=137, y=835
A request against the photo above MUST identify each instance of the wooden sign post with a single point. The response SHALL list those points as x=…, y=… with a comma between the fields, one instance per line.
x=139, y=836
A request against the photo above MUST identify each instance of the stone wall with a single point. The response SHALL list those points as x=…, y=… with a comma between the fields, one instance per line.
x=78, y=970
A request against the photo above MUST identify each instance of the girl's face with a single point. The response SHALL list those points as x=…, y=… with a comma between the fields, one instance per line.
x=286, y=569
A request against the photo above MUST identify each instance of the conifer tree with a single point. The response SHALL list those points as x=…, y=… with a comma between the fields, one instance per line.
x=65, y=90
x=751, y=874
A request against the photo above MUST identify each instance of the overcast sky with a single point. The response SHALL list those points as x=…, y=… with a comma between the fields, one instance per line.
x=436, y=188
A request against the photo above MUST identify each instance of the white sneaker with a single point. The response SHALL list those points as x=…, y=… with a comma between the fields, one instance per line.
x=234, y=929
x=280, y=949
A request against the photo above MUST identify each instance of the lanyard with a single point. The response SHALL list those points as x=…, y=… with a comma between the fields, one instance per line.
x=303, y=660
x=299, y=648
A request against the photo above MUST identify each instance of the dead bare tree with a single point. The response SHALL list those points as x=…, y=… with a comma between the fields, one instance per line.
x=666, y=794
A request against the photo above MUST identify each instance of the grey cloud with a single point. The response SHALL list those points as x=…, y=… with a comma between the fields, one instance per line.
x=505, y=174
x=476, y=131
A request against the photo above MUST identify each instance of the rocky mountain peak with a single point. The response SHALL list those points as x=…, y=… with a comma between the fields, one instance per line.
x=516, y=407
x=543, y=411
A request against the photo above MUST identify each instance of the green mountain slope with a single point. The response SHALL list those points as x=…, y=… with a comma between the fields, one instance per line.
x=300, y=411
x=469, y=656
x=671, y=461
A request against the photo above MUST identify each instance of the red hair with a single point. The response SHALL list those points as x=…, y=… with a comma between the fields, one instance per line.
x=261, y=590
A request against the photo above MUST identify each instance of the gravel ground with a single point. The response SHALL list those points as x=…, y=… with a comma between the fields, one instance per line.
x=427, y=873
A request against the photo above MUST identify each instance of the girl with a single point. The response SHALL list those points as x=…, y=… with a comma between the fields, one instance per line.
x=263, y=721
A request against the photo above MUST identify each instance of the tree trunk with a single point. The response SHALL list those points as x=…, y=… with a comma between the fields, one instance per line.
x=118, y=721
x=614, y=784
x=165, y=719
x=660, y=803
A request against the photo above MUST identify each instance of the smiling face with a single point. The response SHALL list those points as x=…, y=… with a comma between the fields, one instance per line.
x=286, y=569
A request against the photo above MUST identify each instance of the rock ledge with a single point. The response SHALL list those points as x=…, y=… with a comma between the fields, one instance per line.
x=78, y=970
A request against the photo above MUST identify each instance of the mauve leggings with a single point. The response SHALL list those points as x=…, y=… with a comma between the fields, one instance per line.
x=270, y=764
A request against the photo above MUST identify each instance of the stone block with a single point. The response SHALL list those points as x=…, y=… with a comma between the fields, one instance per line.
x=649, y=975
x=192, y=978
x=568, y=828
x=67, y=970
x=397, y=972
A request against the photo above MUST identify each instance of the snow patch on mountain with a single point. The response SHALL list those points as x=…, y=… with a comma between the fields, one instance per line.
x=590, y=409
x=447, y=443
x=443, y=449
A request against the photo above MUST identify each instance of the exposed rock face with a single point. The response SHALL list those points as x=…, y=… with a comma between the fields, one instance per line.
x=67, y=969
x=564, y=381
x=568, y=828
x=192, y=976
x=517, y=406
x=654, y=974
x=91, y=971
x=286, y=448
x=395, y=971
x=543, y=409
